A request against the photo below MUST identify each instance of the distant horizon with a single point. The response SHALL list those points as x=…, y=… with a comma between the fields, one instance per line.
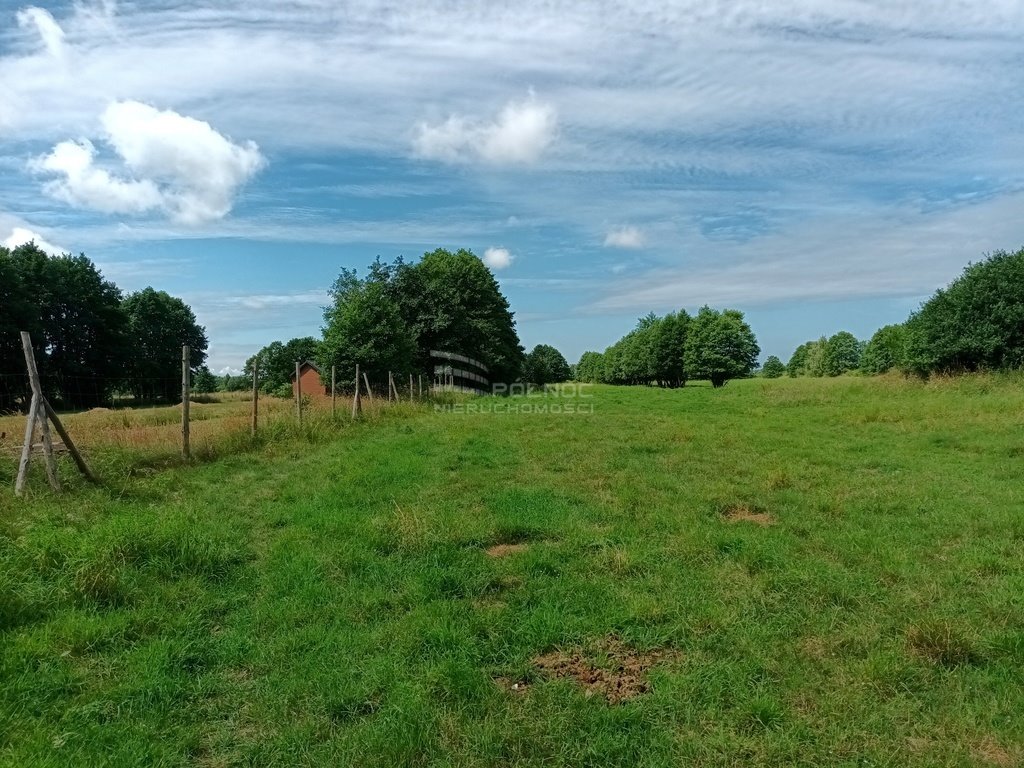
x=818, y=166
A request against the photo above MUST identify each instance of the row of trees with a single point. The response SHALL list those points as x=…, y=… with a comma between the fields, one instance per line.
x=275, y=364
x=976, y=323
x=90, y=340
x=392, y=318
x=716, y=345
x=833, y=356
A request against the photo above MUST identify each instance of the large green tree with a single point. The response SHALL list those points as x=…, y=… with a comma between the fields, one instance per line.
x=363, y=326
x=15, y=315
x=205, y=382
x=885, y=351
x=772, y=368
x=452, y=303
x=76, y=321
x=590, y=368
x=797, y=365
x=159, y=325
x=720, y=346
x=669, y=349
x=545, y=365
x=976, y=323
x=842, y=354
x=275, y=363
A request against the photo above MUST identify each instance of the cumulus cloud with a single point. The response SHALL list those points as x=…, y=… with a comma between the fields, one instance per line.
x=519, y=135
x=171, y=163
x=22, y=235
x=50, y=32
x=498, y=258
x=625, y=237
x=84, y=185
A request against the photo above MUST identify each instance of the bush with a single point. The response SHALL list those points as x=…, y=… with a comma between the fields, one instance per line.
x=977, y=323
x=885, y=351
x=772, y=368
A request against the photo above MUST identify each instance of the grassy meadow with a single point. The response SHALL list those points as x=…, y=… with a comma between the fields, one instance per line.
x=789, y=572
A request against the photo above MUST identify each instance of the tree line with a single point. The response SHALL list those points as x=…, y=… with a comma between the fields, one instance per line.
x=394, y=316
x=713, y=345
x=976, y=323
x=90, y=340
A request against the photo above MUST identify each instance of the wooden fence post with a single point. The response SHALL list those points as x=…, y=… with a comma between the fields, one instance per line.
x=41, y=412
x=186, y=448
x=298, y=392
x=369, y=392
x=411, y=393
x=391, y=385
x=68, y=442
x=334, y=391
x=26, y=449
x=255, y=398
x=420, y=377
x=44, y=429
x=357, y=405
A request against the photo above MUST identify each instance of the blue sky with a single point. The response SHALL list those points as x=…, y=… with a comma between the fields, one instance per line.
x=819, y=164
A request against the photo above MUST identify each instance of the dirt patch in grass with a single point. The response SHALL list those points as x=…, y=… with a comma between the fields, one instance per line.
x=504, y=550
x=615, y=671
x=515, y=687
x=743, y=513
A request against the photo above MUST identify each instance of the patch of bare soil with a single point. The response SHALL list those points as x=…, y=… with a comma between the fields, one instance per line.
x=741, y=513
x=504, y=550
x=513, y=686
x=617, y=672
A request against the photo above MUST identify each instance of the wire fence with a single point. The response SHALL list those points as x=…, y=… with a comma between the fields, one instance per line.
x=158, y=415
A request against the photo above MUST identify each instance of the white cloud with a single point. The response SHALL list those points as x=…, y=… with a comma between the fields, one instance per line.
x=518, y=136
x=83, y=185
x=498, y=258
x=50, y=32
x=22, y=235
x=176, y=164
x=625, y=237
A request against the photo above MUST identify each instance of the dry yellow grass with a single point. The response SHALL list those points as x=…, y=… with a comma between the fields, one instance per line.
x=157, y=430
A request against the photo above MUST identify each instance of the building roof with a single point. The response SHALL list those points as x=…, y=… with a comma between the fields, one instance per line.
x=306, y=364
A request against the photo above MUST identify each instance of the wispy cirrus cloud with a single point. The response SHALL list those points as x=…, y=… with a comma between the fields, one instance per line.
x=896, y=252
x=742, y=137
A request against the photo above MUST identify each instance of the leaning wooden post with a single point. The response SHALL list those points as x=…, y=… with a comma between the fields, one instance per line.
x=186, y=448
x=255, y=398
x=26, y=450
x=357, y=405
x=298, y=392
x=44, y=429
x=38, y=398
x=68, y=442
x=369, y=392
x=334, y=391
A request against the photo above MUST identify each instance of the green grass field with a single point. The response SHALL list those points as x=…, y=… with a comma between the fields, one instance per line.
x=790, y=572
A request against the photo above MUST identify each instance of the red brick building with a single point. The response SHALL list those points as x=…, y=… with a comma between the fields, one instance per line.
x=309, y=375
